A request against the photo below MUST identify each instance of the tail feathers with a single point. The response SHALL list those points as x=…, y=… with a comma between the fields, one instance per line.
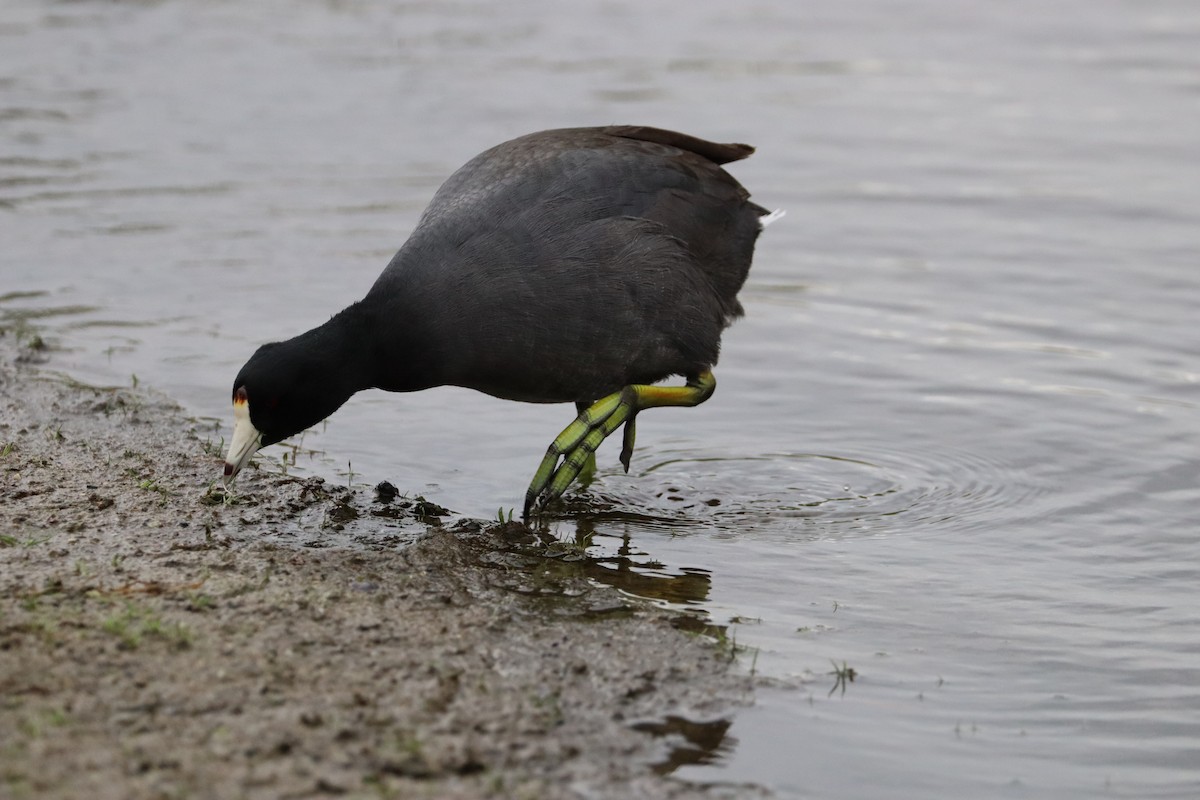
x=716, y=152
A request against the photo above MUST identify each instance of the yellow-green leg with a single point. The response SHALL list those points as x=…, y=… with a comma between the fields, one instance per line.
x=588, y=471
x=577, y=444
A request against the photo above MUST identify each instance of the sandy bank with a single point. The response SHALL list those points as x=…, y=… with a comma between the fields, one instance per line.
x=155, y=642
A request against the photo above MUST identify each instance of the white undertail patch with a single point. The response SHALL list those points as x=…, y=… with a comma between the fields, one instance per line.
x=767, y=219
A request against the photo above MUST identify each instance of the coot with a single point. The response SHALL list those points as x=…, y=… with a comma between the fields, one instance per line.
x=575, y=265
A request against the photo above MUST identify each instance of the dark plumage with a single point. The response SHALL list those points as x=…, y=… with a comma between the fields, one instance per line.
x=560, y=266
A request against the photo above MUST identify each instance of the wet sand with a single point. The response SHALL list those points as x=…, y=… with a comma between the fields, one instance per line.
x=158, y=641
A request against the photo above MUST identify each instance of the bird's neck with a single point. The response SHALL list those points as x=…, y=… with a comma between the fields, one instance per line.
x=375, y=343
x=411, y=331
x=339, y=351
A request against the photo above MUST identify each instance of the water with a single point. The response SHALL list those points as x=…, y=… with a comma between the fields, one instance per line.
x=954, y=444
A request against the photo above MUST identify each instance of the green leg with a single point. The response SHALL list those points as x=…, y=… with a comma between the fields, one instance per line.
x=588, y=471
x=577, y=444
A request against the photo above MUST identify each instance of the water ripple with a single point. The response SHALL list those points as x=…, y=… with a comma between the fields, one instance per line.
x=858, y=491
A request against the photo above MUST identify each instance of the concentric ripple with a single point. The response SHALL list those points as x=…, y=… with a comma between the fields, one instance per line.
x=857, y=491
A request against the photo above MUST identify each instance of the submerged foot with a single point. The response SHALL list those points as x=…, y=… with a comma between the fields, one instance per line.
x=576, y=445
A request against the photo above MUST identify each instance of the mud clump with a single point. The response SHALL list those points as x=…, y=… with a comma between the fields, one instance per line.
x=159, y=639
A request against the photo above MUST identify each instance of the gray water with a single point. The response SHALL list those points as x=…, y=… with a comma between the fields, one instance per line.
x=956, y=440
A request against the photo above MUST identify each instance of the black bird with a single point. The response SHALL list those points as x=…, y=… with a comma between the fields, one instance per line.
x=575, y=265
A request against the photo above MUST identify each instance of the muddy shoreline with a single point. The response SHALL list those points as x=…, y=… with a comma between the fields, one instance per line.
x=156, y=641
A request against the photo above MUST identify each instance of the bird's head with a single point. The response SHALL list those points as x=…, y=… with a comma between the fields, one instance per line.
x=281, y=391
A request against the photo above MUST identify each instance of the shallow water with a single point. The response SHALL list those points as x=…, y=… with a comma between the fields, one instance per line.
x=955, y=440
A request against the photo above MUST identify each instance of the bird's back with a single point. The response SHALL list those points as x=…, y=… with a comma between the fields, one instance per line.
x=619, y=171
x=584, y=258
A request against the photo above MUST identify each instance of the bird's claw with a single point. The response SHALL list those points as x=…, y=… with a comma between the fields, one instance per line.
x=577, y=444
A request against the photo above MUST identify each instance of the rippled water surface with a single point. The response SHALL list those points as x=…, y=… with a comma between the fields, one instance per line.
x=956, y=441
